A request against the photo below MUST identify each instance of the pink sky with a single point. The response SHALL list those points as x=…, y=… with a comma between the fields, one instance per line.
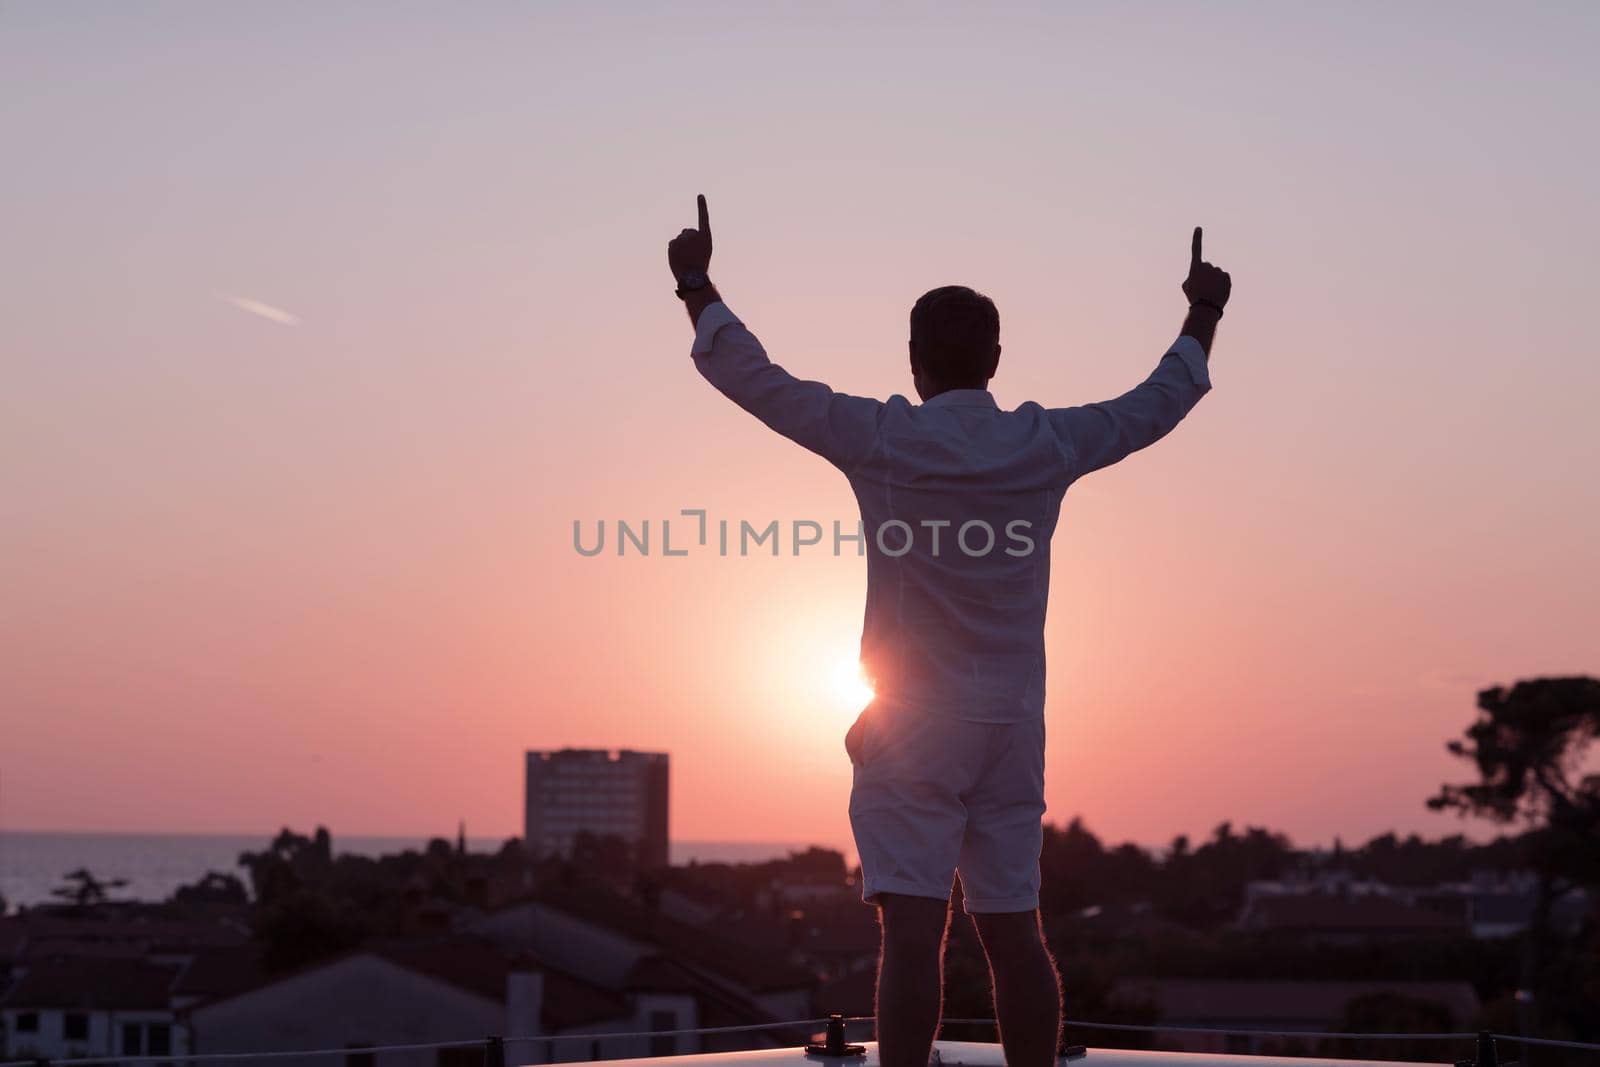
x=316, y=567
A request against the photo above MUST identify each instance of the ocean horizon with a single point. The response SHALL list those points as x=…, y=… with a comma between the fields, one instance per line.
x=33, y=862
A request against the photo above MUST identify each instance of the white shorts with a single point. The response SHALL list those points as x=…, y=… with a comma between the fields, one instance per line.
x=935, y=796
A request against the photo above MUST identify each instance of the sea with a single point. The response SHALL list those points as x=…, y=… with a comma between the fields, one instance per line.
x=34, y=862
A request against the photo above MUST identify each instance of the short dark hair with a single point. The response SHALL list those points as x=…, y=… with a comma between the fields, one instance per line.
x=954, y=330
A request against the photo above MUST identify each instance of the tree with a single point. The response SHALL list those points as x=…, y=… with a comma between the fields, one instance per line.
x=1069, y=859
x=84, y=890
x=215, y=888
x=302, y=926
x=288, y=862
x=608, y=857
x=1205, y=887
x=823, y=864
x=1527, y=744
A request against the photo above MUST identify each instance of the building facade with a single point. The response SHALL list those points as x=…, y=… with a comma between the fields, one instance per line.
x=68, y=1008
x=574, y=791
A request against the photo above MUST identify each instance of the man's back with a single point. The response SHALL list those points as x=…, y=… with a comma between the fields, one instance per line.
x=959, y=504
x=959, y=500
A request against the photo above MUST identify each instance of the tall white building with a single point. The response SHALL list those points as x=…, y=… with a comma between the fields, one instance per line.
x=573, y=790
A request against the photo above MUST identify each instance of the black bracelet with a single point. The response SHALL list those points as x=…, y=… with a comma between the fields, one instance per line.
x=1207, y=304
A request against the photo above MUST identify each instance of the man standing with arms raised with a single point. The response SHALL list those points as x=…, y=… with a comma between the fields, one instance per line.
x=959, y=500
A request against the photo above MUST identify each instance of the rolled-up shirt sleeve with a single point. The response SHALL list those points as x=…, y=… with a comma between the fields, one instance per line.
x=841, y=428
x=1098, y=435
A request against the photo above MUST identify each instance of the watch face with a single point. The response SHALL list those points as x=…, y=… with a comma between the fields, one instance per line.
x=692, y=279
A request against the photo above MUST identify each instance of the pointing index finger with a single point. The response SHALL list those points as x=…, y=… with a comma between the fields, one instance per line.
x=1194, y=249
x=705, y=216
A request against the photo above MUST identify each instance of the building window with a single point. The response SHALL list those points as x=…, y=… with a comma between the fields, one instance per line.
x=160, y=1039
x=663, y=1020
x=360, y=1059
x=75, y=1026
x=132, y=1039
x=27, y=1022
x=460, y=1057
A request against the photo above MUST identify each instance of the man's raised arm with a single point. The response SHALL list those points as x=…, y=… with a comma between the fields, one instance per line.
x=1097, y=435
x=836, y=426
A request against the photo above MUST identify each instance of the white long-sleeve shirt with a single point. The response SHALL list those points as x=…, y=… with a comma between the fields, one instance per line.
x=959, y=500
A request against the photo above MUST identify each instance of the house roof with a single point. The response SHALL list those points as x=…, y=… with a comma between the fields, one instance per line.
x=34, y=925
x=13, y=935
x=754, y=969
x=62, y=947
x=482, y=968
x=471, y=965
x=30, y=932
x=1221, y=1000
x=683, y=881
x=753, y=930
x=847, y=928
x=1503, y=908
x=1333, y=914
x=657, y=974
x=570, y=1002
x=719, y=1005
x=220, y=972
x=92, y=983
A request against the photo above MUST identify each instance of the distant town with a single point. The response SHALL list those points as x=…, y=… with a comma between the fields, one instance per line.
x=580, y=929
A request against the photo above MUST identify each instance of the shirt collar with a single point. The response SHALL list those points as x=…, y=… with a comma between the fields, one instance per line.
x=966, y=398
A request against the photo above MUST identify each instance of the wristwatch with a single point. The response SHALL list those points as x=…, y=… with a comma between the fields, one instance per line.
x=689, y=281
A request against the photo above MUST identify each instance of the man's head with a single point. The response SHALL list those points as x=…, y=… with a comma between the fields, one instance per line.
x=955, y=340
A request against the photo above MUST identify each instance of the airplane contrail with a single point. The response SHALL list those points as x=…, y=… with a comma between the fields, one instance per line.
x=266, y=311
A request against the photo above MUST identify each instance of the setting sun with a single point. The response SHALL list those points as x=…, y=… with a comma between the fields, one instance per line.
x=849, y=686
x=815, y=663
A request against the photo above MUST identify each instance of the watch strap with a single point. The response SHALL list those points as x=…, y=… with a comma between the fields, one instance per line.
x=683, y=291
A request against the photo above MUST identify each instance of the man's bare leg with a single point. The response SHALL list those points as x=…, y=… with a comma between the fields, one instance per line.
x=910, y=977
x=1027, y=990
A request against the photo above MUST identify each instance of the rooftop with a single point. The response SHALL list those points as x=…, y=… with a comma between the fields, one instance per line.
x=984, y=1054
x=595, y=755
x=89, y=983
x=1287, y=1001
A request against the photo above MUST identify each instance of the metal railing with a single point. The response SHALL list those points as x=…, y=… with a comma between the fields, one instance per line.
x=494, y=1044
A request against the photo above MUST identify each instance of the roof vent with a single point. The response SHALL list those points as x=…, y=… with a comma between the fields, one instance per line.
x=834, y=1043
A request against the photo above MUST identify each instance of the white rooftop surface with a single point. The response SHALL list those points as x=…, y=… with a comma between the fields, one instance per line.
x=986, y=1054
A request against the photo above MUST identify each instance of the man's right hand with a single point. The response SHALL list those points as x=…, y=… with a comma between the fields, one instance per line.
x=852, y=737
x=1206, y=284
x=691, y=249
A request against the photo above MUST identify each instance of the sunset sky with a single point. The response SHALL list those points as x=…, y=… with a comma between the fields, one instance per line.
x=320, y=327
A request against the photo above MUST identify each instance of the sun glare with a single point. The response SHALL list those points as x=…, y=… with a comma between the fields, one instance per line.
x=849, y=686
x=815, y=665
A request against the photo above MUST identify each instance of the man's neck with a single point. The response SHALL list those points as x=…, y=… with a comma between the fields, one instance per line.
x=934, y=391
